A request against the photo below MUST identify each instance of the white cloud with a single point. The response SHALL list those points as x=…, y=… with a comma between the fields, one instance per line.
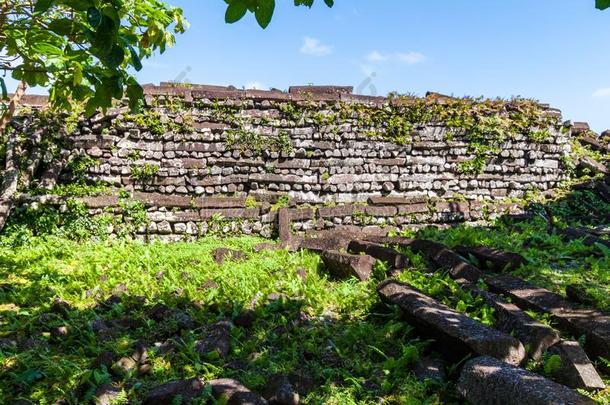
x=411, y=58
x=376, y=56
x=313, y=47
x=256, y=86
x=602, y=93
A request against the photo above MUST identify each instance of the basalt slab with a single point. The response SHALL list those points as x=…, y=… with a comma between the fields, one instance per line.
x=493, y=259
x=344, y=265
x=536, y=336
x=455, y=331
x=395, y=259
x=576, y=370
x=594, y=324
x=485, y=380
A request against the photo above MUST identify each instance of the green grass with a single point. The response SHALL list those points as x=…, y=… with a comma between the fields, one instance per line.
x=353, y=349
x=338, y=339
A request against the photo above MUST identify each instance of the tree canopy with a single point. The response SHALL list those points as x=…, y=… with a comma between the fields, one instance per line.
x=83, y=49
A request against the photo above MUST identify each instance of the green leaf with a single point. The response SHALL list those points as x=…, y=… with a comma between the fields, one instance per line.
x=602, y=4
x=135, y=59
x=47, y=49
x=329, y=3
x=135, y=93
x=42, y=6
x=62, y=26
x=236, y=10
x=94, y=16
x=115, y=57
x=3, y=88
x=264, y=12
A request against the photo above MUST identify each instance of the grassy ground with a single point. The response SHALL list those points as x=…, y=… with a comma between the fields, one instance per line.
x=334, y=337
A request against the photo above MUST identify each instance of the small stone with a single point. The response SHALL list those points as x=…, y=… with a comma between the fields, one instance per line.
x=232, y=392
x=59, y=332
x=165, y=394
x=427, y=368
x=106, y=394
x=245, y=319
x=105, y=359
x=223, y=254
x=216, y=337
x=124, y=366
x=281, y=392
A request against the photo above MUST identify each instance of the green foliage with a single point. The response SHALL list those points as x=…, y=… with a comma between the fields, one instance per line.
x=552, y=364
x=262, y=9
x=602, y=4
x=83, y=49
x=335, y=332
x=257, y=142
x=282, y=202
x=144, y=172
x=79, y=166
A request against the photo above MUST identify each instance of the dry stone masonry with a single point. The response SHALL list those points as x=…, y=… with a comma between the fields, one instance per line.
x=217, y=159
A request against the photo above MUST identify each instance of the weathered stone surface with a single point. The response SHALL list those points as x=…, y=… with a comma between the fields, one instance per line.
x=485, y=380
x=395, y=259
x=215, y=337
x=493, y=259
x=446, y=258
x=282, y=392
x=106, y=394
x=428, y=368
x=342, y=265
x=576, y=369
x=595, y=325
x=232, y=392
x=223, y=254
x=166, y=393
x=588, y=239
x=535, y=336
x=578, y=294
x=455, y=330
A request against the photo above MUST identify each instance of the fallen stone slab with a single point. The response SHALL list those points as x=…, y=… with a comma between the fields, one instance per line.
x=576, y=370
x=446, y=258
x=166, y=393
x=570, y=234
x=232, y=392
x=395, y=259
x=594, y=324
x=493, y=259
x=535, y=336
x=343, y=265
x=485, y=380
x=456, y=331
x=439, y=254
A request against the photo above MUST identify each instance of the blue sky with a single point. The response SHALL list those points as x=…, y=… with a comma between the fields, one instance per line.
x=557, y=51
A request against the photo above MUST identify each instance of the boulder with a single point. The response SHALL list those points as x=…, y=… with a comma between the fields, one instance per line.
x=282, y=392
x=485, y=380
x=457, y=333
x=343, y=265
x=106, y=394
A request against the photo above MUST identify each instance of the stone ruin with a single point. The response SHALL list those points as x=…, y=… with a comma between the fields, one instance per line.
x=210, y=158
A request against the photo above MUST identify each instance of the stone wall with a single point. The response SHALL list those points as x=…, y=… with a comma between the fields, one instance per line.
x=208, y=156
